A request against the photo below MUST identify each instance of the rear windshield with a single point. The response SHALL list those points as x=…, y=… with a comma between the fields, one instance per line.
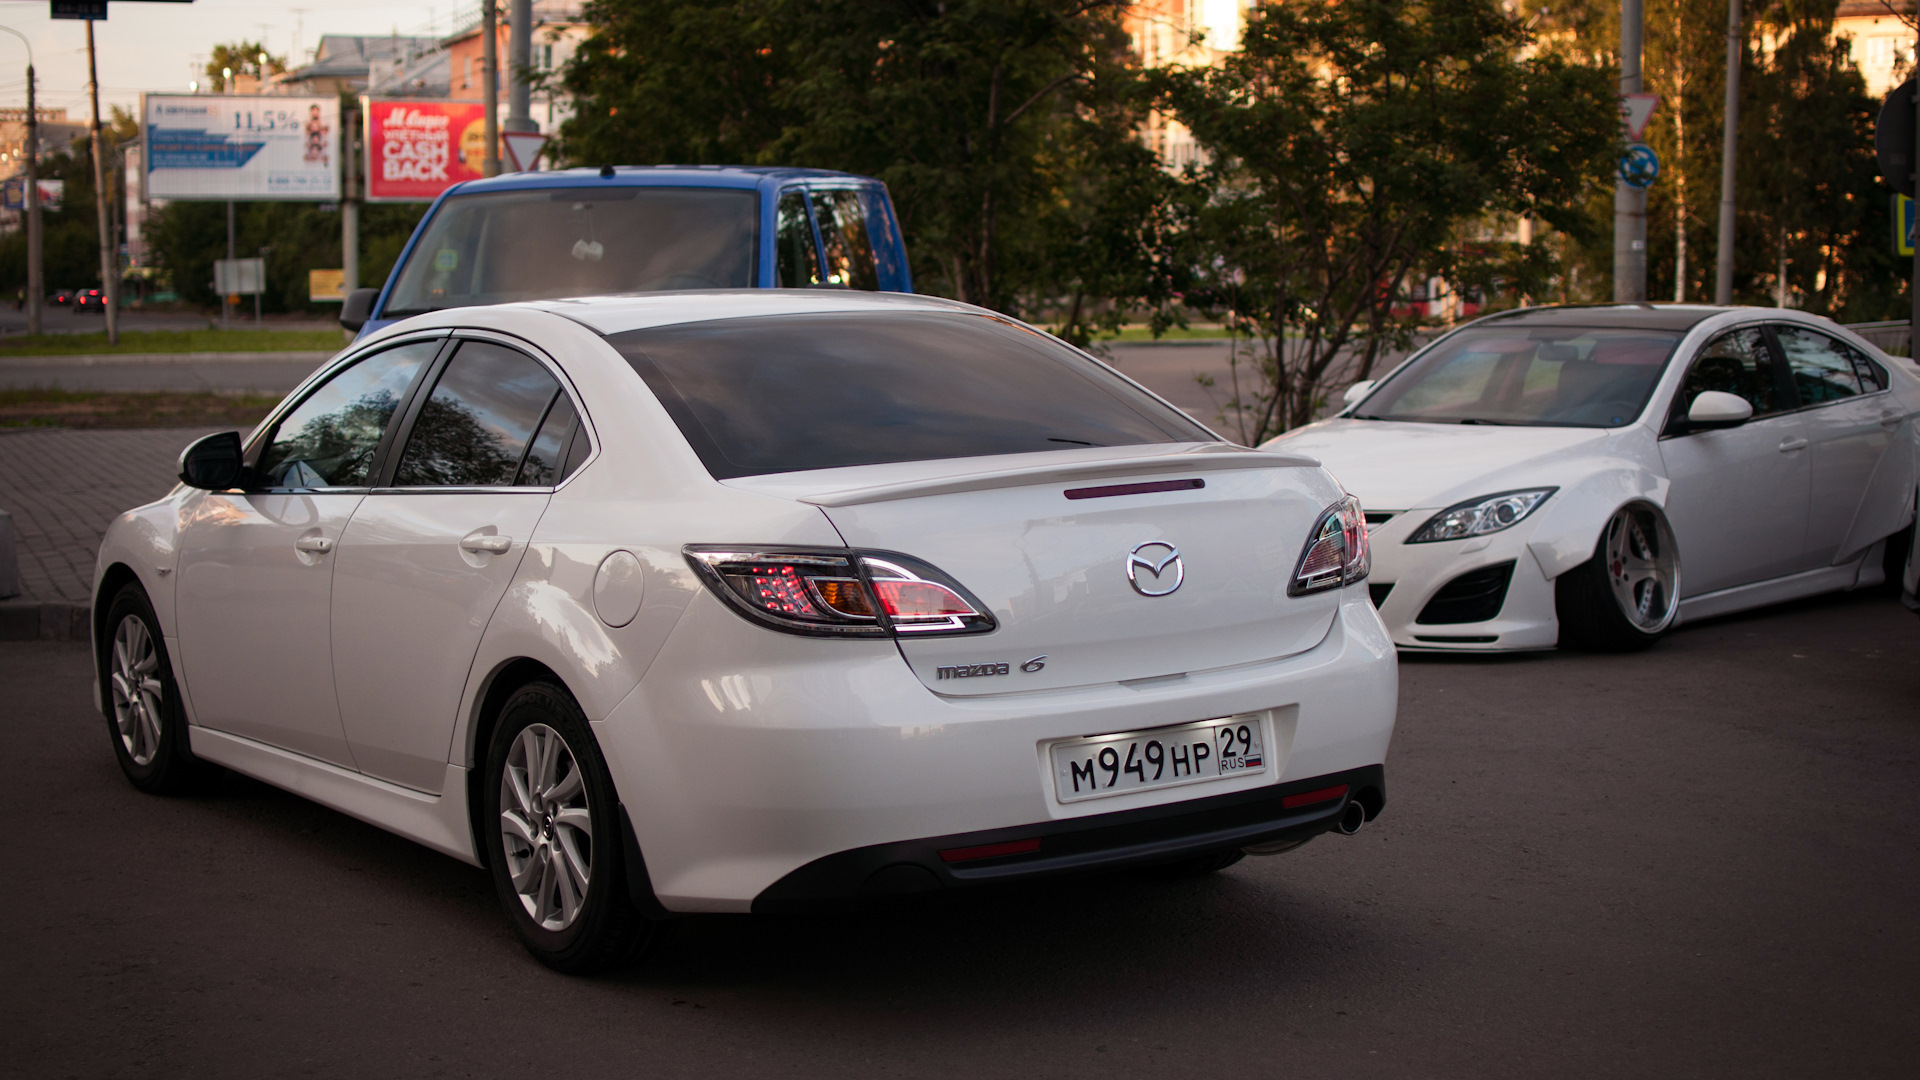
x=538, y=245
x=792, y=392
x=1550, y=376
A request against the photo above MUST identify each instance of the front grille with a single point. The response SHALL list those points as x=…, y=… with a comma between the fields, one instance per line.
x=1378, y=593
x=1474, y=596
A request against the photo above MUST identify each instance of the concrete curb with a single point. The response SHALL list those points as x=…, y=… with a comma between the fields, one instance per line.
x=44, y=620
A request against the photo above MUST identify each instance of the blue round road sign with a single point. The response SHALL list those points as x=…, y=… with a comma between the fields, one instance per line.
x=1640, y=167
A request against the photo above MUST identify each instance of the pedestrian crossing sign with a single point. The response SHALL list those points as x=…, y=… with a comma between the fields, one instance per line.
x=1903, y=225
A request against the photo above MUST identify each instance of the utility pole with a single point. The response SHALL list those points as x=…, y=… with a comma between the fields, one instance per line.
x=1629, y=202
x=349, y=203
x=109, y=254
x=36, y=285
x=490, y=33
x=1729, y=155
x=519, y=61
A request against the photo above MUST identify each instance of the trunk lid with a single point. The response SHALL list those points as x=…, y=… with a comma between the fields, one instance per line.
x=1053, y=568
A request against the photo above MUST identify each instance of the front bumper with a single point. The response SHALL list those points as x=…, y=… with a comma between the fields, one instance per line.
x=746, y=755
x=1418, y=572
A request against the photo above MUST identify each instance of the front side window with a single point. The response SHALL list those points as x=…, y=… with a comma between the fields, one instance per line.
x=797, y=261
x=1547, y=376
x=1738, y=363
x=330, y=438
x=1823, y=369
x=843, y=232
x=508, y=246
x=474, y=429
x=790, y=392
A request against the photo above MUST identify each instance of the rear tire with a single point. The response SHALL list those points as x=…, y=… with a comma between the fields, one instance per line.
x=144, y=716
x=552, y=830
x=1626, y=596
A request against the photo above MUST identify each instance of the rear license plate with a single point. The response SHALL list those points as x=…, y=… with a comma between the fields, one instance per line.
x=1103, y=765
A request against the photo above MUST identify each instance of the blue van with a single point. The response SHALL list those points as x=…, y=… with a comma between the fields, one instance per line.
x=586, y=232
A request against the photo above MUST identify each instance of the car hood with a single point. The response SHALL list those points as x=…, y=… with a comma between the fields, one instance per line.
x=1391, y=465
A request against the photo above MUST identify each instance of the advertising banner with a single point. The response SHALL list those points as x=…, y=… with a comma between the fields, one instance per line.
x=13, y=196
x=217, y=147
x=418, y=149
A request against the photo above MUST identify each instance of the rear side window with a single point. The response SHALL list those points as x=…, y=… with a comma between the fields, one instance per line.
x=474, y=428
x=843, y=231
x=792, y=392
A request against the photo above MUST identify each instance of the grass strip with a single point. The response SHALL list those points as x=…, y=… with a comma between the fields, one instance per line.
x=54, y=408
x=173, y=341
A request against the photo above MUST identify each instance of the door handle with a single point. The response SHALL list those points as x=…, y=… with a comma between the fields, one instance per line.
x=318, y=545
x=489, y=545
x=1788, y=446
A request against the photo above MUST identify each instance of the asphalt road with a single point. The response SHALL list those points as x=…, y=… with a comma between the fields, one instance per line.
x=1694, y=863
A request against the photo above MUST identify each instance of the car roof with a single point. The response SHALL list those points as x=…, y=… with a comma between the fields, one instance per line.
x=719, y=176
x=1621, y=316
x=619, y=314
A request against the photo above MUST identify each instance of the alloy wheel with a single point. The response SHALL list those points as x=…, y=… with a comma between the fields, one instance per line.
x=138, y=693
x=546, y=827
x=1642, y=568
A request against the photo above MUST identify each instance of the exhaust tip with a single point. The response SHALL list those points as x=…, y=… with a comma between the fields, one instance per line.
x=1352, y=816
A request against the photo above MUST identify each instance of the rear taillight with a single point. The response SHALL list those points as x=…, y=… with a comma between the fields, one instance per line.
x=1337, y=553
x=839, y=593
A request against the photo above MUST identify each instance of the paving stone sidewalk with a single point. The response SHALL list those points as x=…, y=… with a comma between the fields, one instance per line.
x=63, y=488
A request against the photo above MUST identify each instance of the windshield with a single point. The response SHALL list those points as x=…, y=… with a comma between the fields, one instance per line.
x=1560, y=376
x=790, y=392
x=538, y=245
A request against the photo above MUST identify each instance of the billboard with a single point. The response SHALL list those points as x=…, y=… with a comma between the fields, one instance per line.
x=418, y=149
x=13, y=195
x=211, y=146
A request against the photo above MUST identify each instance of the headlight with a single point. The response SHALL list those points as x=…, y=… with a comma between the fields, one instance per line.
x=1337, y=553
x=1478, y=517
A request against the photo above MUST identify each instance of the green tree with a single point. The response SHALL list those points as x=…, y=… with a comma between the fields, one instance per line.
x=1351, y=142
x=242, y=58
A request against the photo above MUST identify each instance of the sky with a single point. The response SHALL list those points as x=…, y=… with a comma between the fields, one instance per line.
x=162, y=46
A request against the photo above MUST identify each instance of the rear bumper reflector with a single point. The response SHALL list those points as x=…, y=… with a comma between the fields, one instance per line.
x=1308, y=798
x=1134, y=489
x=993, y=851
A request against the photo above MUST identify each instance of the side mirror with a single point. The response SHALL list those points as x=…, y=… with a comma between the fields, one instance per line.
x=1358, y=390
x=1718, y=409
x=358, y=308
x=213, y=463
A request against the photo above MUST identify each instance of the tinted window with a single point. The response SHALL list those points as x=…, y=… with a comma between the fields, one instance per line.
x=797, y=262
x=843, y=231
x=531, y=245
x=473, y=429
x=543, y=465
x=1737, y=363
x=1822, y=368
x=1558, y=376
x=330, y=438
x=794, y=392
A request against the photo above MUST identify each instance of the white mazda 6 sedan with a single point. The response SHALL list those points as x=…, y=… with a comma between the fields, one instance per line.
x=747, y=601
x=1592, y=476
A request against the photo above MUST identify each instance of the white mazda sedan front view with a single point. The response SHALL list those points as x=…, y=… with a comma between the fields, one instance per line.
x=752, y=601
x=1592, y=476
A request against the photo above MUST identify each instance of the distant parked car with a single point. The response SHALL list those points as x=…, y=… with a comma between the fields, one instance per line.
x=62, y=298
x=590, y=232
x=1592, y=476
x=89, y=302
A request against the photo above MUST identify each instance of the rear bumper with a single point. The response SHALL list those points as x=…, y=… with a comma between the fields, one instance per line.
x=1106, y=842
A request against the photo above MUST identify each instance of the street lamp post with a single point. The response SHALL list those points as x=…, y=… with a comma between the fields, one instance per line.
x=36, y=286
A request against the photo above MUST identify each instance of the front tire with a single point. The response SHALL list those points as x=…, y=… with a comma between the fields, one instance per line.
x=1626, y=596
x=144, y=716
x=553, y=835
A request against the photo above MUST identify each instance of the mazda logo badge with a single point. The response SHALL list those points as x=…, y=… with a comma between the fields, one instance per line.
x=1160, y=560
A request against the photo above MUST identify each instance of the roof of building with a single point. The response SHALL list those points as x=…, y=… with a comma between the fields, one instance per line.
x=428, y=76
x=345, y=56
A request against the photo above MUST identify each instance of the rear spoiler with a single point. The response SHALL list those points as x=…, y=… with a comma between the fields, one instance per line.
x=1216, y=457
